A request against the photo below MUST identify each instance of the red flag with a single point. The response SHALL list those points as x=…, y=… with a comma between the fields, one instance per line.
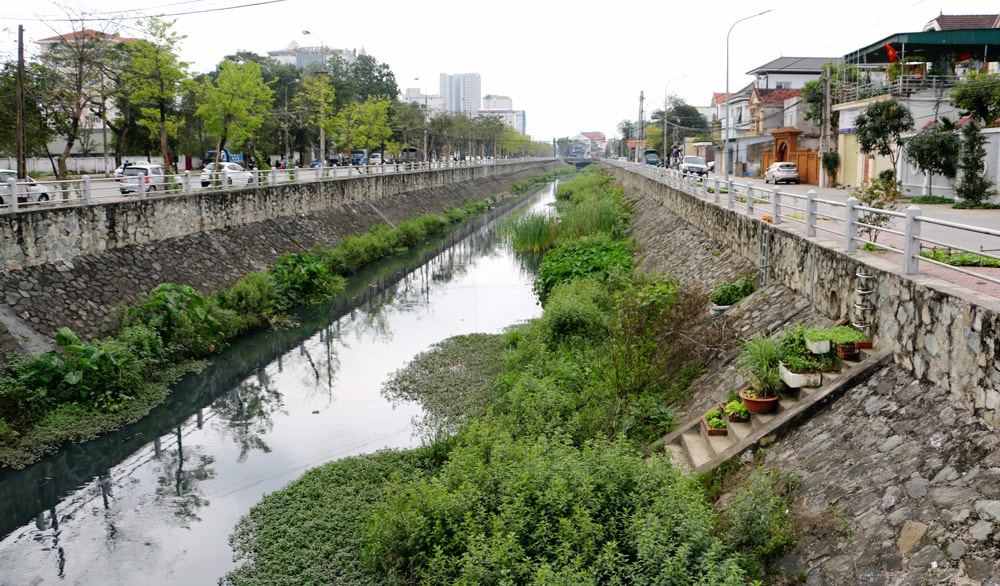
x=891, y=51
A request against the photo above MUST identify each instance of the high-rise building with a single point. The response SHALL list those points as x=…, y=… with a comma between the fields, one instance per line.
x=462, y=92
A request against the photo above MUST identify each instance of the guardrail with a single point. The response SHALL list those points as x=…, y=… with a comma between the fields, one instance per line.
x=94, y=190
x=909, y=233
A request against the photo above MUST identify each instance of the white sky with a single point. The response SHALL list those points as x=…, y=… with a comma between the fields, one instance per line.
x=572, y=66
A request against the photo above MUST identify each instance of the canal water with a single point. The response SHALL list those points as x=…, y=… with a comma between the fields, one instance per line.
x=155, y=503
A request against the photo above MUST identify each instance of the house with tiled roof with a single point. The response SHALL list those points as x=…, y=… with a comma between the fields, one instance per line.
x=768, y=108
x=961, y=22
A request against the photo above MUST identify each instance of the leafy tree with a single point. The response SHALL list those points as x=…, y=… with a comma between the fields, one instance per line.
x=312, y=106
x=979, y=96
x=75, y=64
x=831, y=163
x=364, y=125
x=973, y=187
x=369, y=78
x=37, y=131
x=880, y=127
x=233, y=103
x=157, y=75
x=934, y=150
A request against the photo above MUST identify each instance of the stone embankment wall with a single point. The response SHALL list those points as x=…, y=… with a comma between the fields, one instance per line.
x=936, y=330
x=74, y=266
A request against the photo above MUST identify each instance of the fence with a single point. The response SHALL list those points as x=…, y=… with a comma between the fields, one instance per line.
x=915, y=237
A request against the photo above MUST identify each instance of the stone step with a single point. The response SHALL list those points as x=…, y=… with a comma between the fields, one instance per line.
x=697, y=447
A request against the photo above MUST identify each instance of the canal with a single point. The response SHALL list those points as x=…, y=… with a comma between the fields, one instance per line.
x=155, y=502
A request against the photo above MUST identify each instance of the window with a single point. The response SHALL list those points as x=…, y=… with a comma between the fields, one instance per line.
x=783, y=85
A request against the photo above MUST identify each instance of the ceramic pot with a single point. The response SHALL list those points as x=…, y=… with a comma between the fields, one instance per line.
x=759, y=406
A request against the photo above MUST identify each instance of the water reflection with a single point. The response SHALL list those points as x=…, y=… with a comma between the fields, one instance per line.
x=155, y=502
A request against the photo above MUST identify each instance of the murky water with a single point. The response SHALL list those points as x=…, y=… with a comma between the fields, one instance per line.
x=156, y=502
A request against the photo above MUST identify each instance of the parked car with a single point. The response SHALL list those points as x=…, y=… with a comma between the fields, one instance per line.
x=234, y=172
x=338, y=160
x=359, y=156
x=152, y=175
x=782, y=172
x=651, y=157
x=317, y=162
x=375, y=159
x=28, y=190
x=692, y=165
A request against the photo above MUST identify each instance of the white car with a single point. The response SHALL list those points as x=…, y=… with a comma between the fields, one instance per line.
x=375, y=159
x=28, y=191
x=152, y=175
x=234, y=173
x=692, y=165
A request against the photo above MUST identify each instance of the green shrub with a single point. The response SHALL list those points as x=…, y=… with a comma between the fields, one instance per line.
x=575, y=310
x=253, y=298
x=587, y=258
x=755, y=519
x=534, y=232
x=301, y=278
x=729, y=293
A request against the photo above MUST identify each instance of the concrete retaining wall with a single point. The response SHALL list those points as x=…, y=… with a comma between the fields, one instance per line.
x=939, y=331
x=73, y=266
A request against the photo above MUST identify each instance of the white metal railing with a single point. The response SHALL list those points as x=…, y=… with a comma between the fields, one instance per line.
x=908, y=233
x=89, y=190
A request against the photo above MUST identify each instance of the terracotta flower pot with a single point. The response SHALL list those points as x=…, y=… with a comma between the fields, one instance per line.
x=709, y=430
x=756, y=405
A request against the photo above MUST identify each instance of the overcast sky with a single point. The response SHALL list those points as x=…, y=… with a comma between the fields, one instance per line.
x=571, y=66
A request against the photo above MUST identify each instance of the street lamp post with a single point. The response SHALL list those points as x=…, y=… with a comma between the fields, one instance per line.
x=426, y=118
x=322, y=131
x=725, y=144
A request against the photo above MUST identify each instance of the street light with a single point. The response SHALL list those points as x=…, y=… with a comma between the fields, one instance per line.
x=665, y=94
x=322, y=132
x=426, y=118
x=725, y=144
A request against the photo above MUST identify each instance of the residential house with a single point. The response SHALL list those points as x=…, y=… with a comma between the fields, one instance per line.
x=945, y=55
x=589, y=144
x=747, y=119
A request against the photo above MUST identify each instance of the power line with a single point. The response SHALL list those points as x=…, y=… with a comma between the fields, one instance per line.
x=119, y=16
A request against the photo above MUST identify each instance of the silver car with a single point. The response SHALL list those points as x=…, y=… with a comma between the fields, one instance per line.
x=782, y=172
x=28, y=191
x=151, y=175
x=234, y=172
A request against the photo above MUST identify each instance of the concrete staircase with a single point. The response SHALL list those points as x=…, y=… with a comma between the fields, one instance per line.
x=690, y=445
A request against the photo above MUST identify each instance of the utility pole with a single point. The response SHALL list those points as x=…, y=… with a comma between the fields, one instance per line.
x=823, y=137
x=641, y=131
x=22, y=156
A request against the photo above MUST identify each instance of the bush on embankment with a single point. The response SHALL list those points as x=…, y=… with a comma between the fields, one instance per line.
x=536, y=474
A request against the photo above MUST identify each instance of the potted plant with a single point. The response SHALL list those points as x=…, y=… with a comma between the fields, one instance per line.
x=713, y=422
x=845, y=339
x=736, y=411
x=725, y=294
x=799, y=366
x=758, y=361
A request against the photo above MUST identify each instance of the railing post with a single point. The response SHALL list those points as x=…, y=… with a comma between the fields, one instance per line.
x=730, y=195
x=749, y=198
x=85, y=188
x=776, y=205
x=717, y=189
x=255, y=173
x=225, y=180
x=319, y=173
x=811, y=213
x=851, y=225
x=186, y=183
x=141, y=185
x=911, y=247
x=12, y=190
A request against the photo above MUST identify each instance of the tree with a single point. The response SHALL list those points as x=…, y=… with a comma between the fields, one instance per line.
x=880, y=127
x=157, y=76
x=313, y=104
x=369, y=78
x=934, y=150
x=234, y=103
x=979, y=96
x=75, y=65
x=363, y=125
x=973, y=187
x=37, y=131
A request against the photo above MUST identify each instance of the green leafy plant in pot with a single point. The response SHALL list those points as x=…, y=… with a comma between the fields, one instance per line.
x=725, y=294
x=759, y=361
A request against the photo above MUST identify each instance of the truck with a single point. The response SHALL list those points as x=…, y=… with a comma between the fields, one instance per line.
x=359, y=156
x=226, y=157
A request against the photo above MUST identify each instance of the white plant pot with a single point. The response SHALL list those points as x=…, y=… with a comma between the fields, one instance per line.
x=797, y=380
x=717, y=310
x=818, y=347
